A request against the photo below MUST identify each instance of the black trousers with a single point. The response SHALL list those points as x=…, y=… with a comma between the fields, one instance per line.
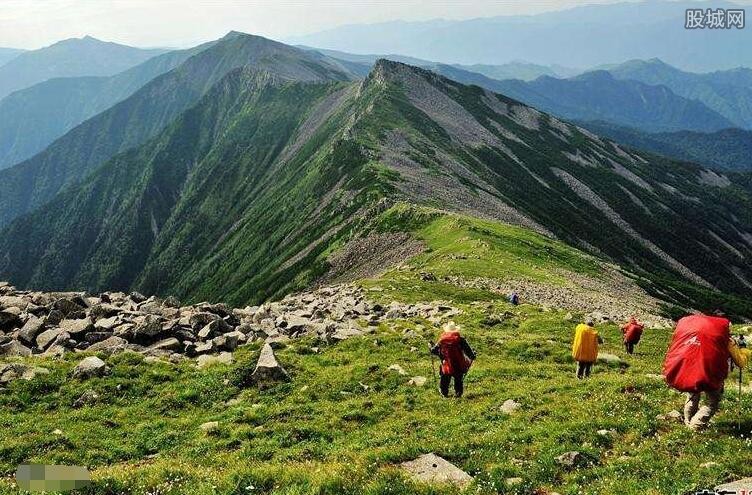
x=444, y=381
x=583, y=369
x=629, y=347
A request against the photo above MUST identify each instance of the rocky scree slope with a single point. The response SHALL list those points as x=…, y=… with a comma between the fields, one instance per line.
x=52, y=324
x=245, y=195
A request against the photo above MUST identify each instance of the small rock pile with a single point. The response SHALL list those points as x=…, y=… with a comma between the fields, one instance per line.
x=53, y=323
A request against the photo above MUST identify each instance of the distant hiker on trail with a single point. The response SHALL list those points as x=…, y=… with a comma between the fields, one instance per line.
x=741, y=342
x=514, y=298
x=585, y=347
x=632, y=332
x=456, y=358
x=697, y=362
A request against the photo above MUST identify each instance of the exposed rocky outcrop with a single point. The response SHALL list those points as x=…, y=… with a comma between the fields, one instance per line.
x=54, y=323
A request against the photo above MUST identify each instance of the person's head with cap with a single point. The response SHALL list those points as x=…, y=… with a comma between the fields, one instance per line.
x=589, y=321
x=450, y=326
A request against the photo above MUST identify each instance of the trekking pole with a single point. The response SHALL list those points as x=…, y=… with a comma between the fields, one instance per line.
x=739, y=402
x=433, y=368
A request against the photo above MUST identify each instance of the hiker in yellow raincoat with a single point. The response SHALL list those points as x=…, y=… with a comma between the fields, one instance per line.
x=585, y=347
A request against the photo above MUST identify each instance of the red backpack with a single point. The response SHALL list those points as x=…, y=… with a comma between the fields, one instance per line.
x=453, y=359
x=633, y=332
x=697, y=360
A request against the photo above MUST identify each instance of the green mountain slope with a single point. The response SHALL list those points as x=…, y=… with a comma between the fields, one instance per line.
x=141, y=116
x=70, y=58
x=600, y=96
x=728, y=92
x=727, y=149
x=32, y=118
x=244, y=196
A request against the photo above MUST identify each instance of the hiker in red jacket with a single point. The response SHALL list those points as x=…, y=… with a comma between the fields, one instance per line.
x=697, y=362
x=456, y=358
x=632, y=332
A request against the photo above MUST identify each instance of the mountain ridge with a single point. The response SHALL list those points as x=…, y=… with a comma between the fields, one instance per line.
x=253, y=221
x=129, y=123
x=72, y=57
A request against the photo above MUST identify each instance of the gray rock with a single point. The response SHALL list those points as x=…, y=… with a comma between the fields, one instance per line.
x=168, y=344
x=19, y=371
x=510, y=406
x=90, y=367
x=204, y=348
x=30, y=330
x=739, y=486
x=107, y=324
x=268, y=370
x=9, y=318
x=88, y=398
x=417, y=381
x=573, y=459
x=207, y=360
x=149, y=326
x=46, y=338
x=77, y=327
x=110, y=345
x=14, y=349
x=430, y=468
x=397, y=369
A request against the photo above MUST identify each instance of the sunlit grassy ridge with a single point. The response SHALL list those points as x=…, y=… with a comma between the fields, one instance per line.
x=345, y=421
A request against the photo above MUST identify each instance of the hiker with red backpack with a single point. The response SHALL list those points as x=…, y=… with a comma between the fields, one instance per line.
x=456, y=358
x=632, y=332
x=697, y=363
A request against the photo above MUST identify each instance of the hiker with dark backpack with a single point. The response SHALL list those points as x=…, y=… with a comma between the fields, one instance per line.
x=456, y=358
x=632, y=332
x=697, y=363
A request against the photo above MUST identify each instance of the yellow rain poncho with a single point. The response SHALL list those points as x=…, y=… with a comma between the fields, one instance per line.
x=585, y=345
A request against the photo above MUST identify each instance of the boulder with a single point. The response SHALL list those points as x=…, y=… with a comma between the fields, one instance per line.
x=107, y=324
x=77, y=327
x=207, y=360
x=14, y=349
x=9, y=318
x=209, y=426
x=147, y=327
x=169, y=344
x=19, y=371
x=740, y=487
x=397, y=369
x=109, y=345
x=430, y=468
x=417, y=381
x=88, y=398
x=90, y=367
x=510, y=406
x=46, y=338
x=30, y=330
x=268, y=370
x=573, y=460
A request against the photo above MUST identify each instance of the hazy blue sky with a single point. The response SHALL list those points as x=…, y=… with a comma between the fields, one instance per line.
x=36, y=23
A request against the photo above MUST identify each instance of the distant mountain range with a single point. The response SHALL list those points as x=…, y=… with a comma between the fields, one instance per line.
x=141, y=116
x=524, y=71
x=69, y=58
x=233, y=176
x=7, y=54
x=32, y=118
x=728, y=149
x=585, y=36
